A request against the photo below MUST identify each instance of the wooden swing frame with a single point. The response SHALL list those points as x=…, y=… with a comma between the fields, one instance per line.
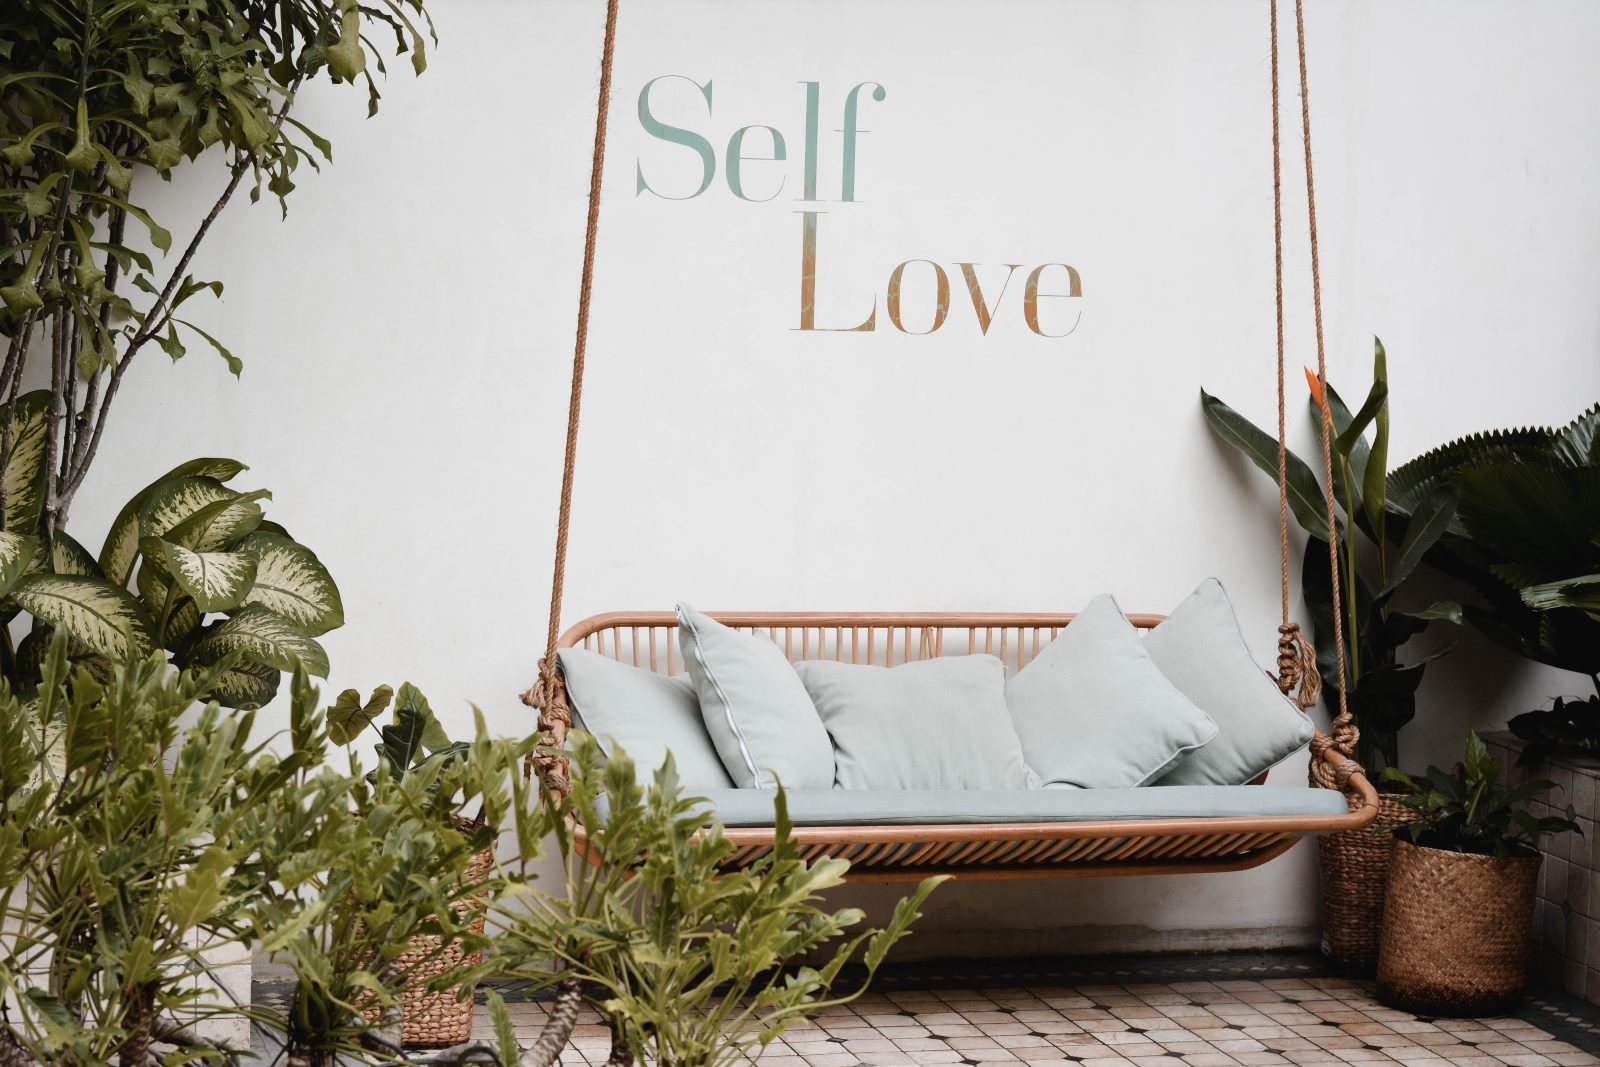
x=905, y=852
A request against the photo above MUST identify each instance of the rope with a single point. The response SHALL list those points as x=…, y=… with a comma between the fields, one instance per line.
x=1297, y=665
x=1297, y=662
x=548, y=694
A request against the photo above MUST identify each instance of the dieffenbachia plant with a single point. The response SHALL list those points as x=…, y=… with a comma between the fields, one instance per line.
x=189, y=565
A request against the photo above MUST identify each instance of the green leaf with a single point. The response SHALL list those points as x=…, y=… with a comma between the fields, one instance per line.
x=401, y=744
x=293, y=582
x=1346, y=490
x=410, y=699
x=349, y=716
x=17, y=551
x=201, y=891
x=217, y=581
x=222, y=524
x=246, y=684
x=121, y=547
x=176, y=500
x=259, y=634
x=51, y=1011
x=67, y=556
x=25, y=473
x=505, y=1034
x=1427, y=524
x=1440, y=611
x=182, y=622
x=346, y=58
x=105, y=617
x=82, y=157
x=1582, y=593
x=1305, y=493
x=1374, y=487
x=1578, y=442
x=1348, y=437
x=235, y=364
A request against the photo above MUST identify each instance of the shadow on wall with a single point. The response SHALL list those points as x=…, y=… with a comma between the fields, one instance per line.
x=1271, y=907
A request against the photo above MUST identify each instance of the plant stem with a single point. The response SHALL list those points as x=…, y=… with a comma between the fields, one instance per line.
x=160, y=313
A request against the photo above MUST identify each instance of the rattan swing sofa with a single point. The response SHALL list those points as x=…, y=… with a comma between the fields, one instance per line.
x=1001, y=849
x=909, y=852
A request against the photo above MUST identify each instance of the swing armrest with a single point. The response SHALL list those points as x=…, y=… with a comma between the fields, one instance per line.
x=1358, y=791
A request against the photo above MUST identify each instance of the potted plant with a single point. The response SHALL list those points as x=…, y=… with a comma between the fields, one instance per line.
x=414, y=747
x=1459, y=911
x=690, y=962
x=1374, y=569
x=146, y=832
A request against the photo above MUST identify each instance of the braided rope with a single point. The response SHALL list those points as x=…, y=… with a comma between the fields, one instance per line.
x=548, y=694
x=1298, y=673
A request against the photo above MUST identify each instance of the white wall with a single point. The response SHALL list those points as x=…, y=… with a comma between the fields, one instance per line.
x=406, y=335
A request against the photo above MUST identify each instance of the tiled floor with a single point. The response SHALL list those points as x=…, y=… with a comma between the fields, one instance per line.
x=1199, y=1011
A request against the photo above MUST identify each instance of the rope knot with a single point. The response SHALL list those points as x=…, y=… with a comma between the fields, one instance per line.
x=1345, y=734
x=1298, y=676
x=548, y=694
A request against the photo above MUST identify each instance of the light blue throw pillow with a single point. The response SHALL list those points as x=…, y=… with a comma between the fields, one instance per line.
x=1094, y=711
x=646, y=713
x=1201, y=651
x=758, y=714
x=934, y=724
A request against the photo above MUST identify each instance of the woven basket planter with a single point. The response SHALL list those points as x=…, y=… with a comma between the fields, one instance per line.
x=444, y=1018
x=1353, y=870
x=1456, y=931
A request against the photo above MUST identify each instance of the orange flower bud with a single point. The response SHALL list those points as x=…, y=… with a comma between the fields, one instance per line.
x=1316, y=388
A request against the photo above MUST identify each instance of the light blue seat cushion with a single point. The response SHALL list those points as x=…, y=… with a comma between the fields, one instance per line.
x=1201, y=651
x=932, y=724
x=889, y=807
x=1094, y=711
x=646, y=713
x=759, y=716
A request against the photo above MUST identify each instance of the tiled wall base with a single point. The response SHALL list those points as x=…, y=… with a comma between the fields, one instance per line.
x=1566, y=921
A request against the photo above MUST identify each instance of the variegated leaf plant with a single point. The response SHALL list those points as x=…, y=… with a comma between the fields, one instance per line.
x=189, y=565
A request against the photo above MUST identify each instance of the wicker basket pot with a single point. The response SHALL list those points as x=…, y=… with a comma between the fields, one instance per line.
x=1456, y=931
x=1353, y=870
x=444, y=1018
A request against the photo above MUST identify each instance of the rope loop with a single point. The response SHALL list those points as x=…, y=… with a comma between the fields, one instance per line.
x=1298, y=676
x=1345, y=734
x=548, y=695
x=1331, y=774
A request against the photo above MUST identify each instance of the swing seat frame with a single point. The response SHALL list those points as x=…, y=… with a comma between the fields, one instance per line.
x=910, y=852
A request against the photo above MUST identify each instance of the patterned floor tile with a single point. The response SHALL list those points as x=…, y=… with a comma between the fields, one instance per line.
x=1236, y=1010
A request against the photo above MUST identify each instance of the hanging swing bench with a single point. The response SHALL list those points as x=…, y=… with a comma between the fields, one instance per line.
x=904, y=840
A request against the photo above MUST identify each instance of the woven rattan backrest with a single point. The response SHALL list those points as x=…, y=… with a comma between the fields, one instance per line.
x=649, y=638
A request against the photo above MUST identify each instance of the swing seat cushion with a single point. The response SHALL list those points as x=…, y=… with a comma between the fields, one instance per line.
x=1202, y=651
x=888, y=807
x=758, y=714
x=1095, y=712
x=931, y=724
x=648, y=714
